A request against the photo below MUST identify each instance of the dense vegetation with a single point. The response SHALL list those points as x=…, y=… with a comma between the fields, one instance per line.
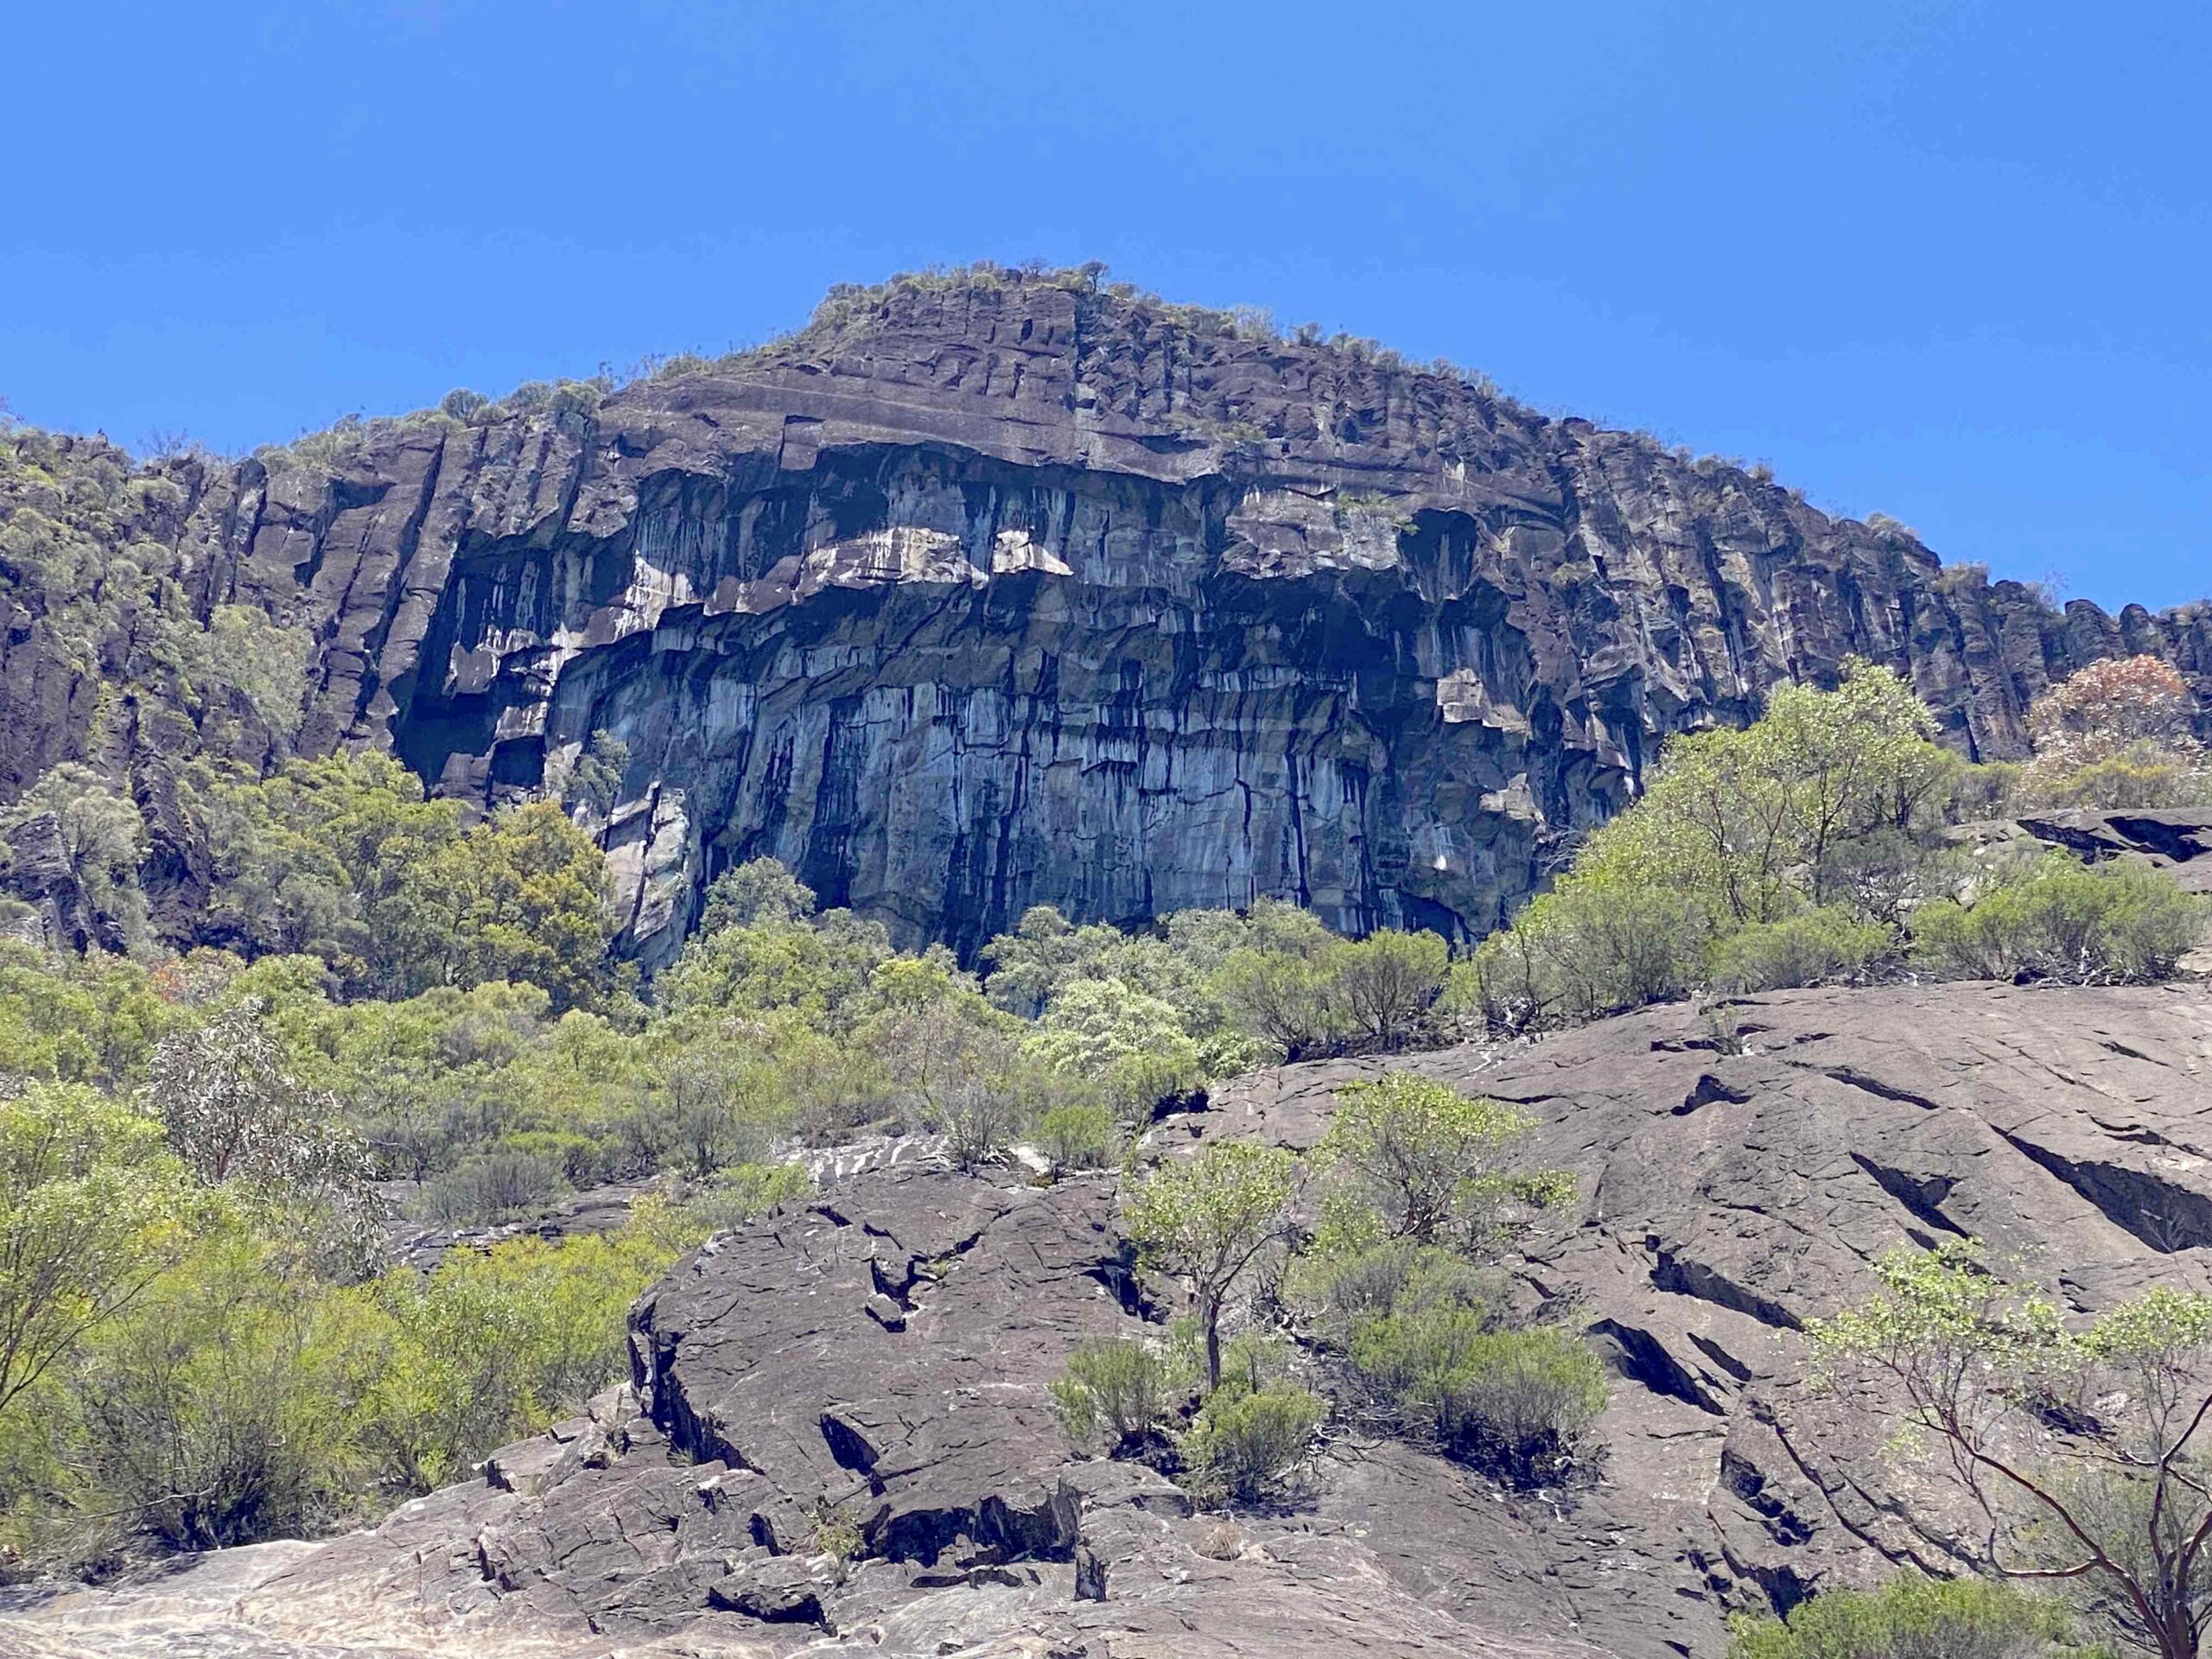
x=1815, y=845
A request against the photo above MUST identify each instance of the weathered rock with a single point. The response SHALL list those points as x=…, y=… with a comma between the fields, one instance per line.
x=1736, y=1180
x=2178, y=841
x=999, y=594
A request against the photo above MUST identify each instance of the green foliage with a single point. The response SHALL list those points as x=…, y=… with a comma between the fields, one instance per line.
x=1433, y=1164
x=1247, y=1445
x=1806, y=848
x=1382, y=985
x=1910, y=1617
x=1812, y=948
x=1131, y=1047
x=734, y=1197
x=92, y=1209
x=345, y=859
x=1977, y=1371
x=1516, y=1403
x=240, y=1121
x=1077, y=1134
x=1120, y=1392
x=492, y=1346
x=2062, y=920
x=760, y=891
x=78, y=1019
x=1208, y=1217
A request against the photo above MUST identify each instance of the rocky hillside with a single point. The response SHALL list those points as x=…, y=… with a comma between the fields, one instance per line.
x=1003, y=590
x=886, y=1346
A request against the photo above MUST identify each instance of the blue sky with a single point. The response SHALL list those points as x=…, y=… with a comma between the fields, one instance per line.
x=1946, y=261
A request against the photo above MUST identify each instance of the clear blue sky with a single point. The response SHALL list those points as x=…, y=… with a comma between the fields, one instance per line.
x=1947, y=261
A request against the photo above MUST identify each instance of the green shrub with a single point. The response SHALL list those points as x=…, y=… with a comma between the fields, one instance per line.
x=1433, y=1164
x=1909, y=1617
x=745, y=1193
x=1514, y=1403
x=1380, y=986
x=1811, y=949
x=1120, y=1391
x=500, y=1187
x=1078, y=1136
x=1344, y=1284
x=1596, y=944
x=1248, y=1444
x=2064, y=920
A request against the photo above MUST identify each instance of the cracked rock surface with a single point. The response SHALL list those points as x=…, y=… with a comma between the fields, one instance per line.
x=883, y=1352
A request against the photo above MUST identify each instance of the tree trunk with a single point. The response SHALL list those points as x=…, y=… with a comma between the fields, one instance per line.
x=1209, y=1320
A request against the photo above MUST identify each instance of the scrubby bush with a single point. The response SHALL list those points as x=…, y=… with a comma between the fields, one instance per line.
x=500, y=1187
x=1811, y=949
x=1247, y=1445
x=1514, y=1403
x=1077, y=1134
x=1911, y=1617
x=1348, y=1280
x=1120, y=1392
x=731, y=1198
x=1281, y=999
x=1432, y=1164
x=1382, y=985
x=2064, y=920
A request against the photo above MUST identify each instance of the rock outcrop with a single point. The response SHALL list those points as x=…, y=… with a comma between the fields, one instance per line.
x=880, y=1355
x=1020, y=590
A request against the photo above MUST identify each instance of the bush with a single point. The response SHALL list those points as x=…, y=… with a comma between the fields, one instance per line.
x=1346, y=1287
x=2064, y=920
x=1249, y=1443
x=1122, y=1391
x=744, y=1193
x=501, y=1186
x=1432, y=1163
x=1909, y=1617
x=1514, y=1403
x=1278, y=999
x=1595, y=944
x=1382, y=984
x=215, y=1415
x=1812, y=948
x=1077, y=1135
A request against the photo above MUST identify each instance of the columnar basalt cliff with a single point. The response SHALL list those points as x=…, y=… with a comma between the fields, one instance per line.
x=1011, y=591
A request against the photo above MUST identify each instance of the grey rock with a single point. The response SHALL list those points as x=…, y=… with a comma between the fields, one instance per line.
x=1727, y=1199
x=1012, y=595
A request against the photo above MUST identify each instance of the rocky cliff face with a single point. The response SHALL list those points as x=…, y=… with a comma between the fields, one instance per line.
x=975, y=596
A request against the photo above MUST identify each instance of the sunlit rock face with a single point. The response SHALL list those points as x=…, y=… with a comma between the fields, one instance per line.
x=994, y=596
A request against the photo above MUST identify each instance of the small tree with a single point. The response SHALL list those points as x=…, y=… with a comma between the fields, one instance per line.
x=2073, y=1449
x=1208, y=1217
x=1279, y=998
x=1433, y=1164
x=760, y=890
x=93, y=1210
x=1385, y=982
x=237, y=1118
x=2117, y=734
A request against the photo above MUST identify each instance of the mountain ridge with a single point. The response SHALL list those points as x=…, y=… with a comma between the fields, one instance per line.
x=1005, y=588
